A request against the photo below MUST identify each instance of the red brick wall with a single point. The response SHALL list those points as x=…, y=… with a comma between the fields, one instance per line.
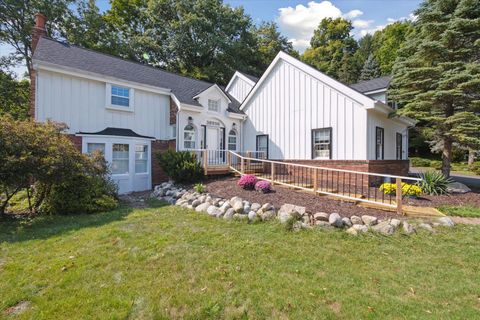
x=159, y=146
x=76, y=140
x=173, y=112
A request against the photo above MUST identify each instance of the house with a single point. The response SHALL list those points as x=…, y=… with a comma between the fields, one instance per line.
x=131, y=111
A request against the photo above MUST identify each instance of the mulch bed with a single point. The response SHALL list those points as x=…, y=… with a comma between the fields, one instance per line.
x=466, y=199
x=227, y=188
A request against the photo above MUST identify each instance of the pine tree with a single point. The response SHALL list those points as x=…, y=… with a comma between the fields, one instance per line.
x=436, y=78
x=371, y=69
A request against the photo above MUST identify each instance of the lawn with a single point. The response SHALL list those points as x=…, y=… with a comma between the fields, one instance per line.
x=168, y=262
x=461, y=211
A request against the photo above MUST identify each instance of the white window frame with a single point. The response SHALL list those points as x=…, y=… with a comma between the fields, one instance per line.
x=214, y=105
x=194, y=131
x=108, y=98
x=123, y=159
x=328, y=131
x=143, y=160
x=235, y=135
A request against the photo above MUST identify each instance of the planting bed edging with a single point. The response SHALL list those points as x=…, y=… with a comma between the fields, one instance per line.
x=238, y=209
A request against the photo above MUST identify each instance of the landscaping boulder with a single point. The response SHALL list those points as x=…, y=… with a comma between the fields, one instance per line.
x=267, y=207
x=212, y=210
x=267, y=215
x=255, y=206
x=369, y=220
x=395, y=223
x=457, y=187
x=408, y=228
x=446, y=222
x=202, y=207
x=299, y=225
x=323, y=224
x=384, y=228
x=335, y=220
x=290, y=211
x=240, y=217
x=252, y=215
x=360, y=227
x=237, y=206
x=426, y=226
x=347, y=222
x=229, y=214
x=356, y=220
x=321, y=216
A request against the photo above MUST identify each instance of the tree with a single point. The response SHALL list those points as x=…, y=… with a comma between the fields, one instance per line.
x=14, y=96
x=89, y=29
x=270, y=42
x=370, y=69
x=330, y=43
x=387, y=42
x=436, y=78
x=365, y=48
x=17, y=21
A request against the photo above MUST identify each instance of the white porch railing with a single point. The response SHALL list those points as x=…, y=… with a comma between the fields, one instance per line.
x=344, y=184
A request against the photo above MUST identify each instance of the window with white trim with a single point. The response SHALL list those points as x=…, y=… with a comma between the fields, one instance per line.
x=141, y=158
x=189, y=137
x=213, y=105
x=322, y=143
x=232, y=140
x=92, y=147
x=379, y=143
x=120, y=96
x=120, y=160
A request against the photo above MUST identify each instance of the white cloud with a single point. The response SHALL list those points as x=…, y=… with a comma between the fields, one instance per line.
x=352, y=14
x=362, y=24
x=298, y=23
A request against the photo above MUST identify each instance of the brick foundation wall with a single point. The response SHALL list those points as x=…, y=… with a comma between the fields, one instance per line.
x=159, y=146
x=76, y=140
x=173, y=112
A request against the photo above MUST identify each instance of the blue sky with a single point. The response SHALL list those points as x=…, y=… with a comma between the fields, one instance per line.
x=297, y=18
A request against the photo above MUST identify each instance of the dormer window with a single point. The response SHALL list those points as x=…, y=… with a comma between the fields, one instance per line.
x=213, y=105
x=119, y=97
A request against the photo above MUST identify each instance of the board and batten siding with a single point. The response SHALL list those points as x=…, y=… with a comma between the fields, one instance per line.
x=291, y=103
x=391, y=128
x=239, y=89
x=80, y=104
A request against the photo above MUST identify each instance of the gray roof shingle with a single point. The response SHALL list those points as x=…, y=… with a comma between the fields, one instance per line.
x=63, y=54
x=372, y=85
x=253, y=78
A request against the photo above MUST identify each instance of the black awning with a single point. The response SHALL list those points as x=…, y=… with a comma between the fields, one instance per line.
x=120, y=132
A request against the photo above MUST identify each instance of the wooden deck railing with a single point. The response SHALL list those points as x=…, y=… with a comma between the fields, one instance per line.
x=344, y=184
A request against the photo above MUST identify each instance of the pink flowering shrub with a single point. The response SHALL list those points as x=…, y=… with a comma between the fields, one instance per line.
x=247, y=181
x=263, y=186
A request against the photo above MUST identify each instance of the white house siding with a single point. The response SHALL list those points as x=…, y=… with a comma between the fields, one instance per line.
x=291, y=103
x=391, y=127
x=382, y=96
x=80, y=103
x=202, y=116
x=239, y=89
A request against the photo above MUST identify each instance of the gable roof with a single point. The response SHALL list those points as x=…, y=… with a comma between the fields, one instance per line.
x=71, y=56
x=352, y=93
x=381, y=83
x=253, y=78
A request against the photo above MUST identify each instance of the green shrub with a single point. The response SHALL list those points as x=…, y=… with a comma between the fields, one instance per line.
x=436, y=164
x=89, y=189
x=42, y=171
x=199, y=187
x=434, y=182
x=420, y=162
x=181, y=166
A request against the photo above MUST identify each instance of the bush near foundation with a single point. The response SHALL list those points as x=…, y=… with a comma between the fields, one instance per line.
x=181, y=166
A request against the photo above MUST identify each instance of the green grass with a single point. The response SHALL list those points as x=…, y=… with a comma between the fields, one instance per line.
x=463, y=211
x=167, y=263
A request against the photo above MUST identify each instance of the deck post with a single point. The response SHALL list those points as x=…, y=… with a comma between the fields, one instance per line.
x=205, y=161
x=398, y=194
x=229, y=159
x=242, y=165
x=315, y=180
x=272, y=173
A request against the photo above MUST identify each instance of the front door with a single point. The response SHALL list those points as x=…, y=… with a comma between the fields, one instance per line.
x=215, y=155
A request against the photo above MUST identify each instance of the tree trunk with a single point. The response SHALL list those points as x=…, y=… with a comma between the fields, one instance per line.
x=471, y=156
x=446, y=156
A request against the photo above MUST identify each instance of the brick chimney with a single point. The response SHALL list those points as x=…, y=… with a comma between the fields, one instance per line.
x=38, y=31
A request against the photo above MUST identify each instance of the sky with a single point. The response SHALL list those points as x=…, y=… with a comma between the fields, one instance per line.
x=297, y=19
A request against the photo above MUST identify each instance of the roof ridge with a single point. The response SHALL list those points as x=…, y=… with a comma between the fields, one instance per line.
x=126, y=60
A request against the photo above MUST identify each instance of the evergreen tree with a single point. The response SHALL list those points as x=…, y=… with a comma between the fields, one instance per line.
x=370, y=69
x=436, y=77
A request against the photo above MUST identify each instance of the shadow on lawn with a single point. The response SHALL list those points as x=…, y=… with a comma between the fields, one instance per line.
x=43, y=227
